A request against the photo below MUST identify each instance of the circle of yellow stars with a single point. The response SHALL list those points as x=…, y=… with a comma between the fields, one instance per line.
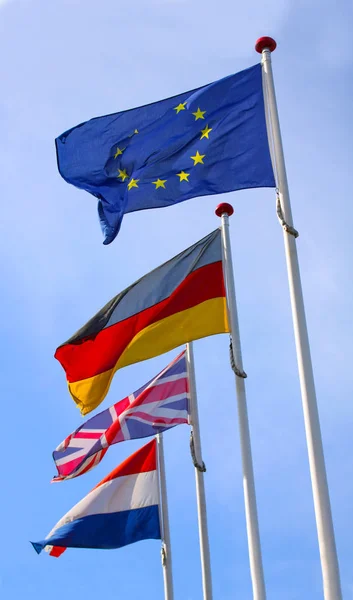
x=183, y=175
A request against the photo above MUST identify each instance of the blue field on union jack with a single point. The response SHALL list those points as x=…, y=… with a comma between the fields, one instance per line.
x=157, y=406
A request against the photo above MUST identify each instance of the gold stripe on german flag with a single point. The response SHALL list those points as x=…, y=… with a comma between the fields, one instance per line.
x=182, y=300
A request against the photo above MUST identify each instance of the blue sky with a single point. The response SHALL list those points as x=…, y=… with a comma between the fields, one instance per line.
x=63, y=62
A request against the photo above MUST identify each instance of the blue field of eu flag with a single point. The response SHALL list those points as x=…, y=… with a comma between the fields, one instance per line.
x=206, y=141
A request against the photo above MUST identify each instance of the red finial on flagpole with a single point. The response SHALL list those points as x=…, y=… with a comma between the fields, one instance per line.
x=224, y=208
x=265, y=42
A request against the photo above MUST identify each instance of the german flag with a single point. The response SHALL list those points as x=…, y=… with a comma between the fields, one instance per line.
x=182, y=300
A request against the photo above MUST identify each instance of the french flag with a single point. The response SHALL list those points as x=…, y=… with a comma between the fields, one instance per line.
x=122, y=509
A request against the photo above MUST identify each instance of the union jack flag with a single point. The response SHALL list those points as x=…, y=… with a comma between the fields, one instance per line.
x=159, y=405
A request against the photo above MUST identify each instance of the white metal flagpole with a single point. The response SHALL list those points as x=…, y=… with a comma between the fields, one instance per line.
x=327, y=544
x=164, y=518
x=199, y=471
x=224, y=211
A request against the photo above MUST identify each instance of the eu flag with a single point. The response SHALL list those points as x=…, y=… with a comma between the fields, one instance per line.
x=206, y=141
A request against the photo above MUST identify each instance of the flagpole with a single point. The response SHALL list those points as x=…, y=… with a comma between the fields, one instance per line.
x=224, y=211
x=324, y=523
x=199, y=471
x=166, y=551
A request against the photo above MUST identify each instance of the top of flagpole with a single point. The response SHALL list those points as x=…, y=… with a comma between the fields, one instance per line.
x=224, y=208
x=265, y=42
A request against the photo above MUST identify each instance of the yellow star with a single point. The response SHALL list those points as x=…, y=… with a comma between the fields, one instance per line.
x=122, y=174
x=199, y=114
x=198, y=158
x=180, y=107
x=118, y=152
x=183, y=176
x=159, y=183
x=134, y=133
x=132, y=183
x=205, y=132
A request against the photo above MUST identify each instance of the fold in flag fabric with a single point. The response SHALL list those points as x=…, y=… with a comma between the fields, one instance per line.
x=182, y=300
x=206, y=141
x=122, y=509
x=159, y=405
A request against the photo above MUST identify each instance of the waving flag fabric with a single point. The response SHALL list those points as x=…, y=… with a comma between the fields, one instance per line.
x=159, y=405
x=180, y=301
x=122, y=509
x=206, y=141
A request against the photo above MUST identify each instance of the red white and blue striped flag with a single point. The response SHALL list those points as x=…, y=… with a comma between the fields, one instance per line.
x=159, y=405
x=122, y=509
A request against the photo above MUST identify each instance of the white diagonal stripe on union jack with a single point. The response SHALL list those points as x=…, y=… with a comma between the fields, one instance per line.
x=159, y=405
